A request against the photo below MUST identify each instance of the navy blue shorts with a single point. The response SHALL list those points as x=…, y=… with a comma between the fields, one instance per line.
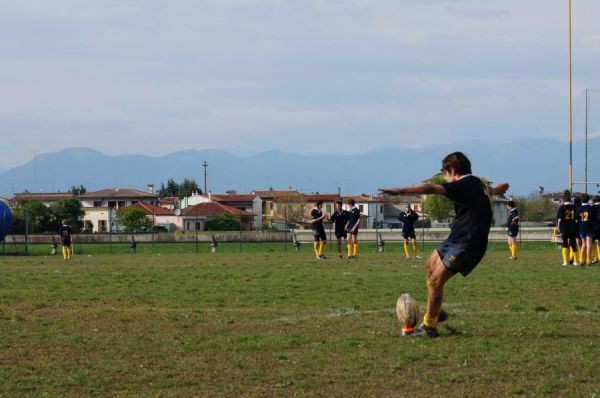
x=512, y=232
x=66, y=242
x=319, y=235
x=409, y=234
x=341, y=234
x=457, y=258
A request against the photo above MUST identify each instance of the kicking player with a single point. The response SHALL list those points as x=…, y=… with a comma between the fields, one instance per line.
x=466, y=245
x=512, y=228
x=66, y=237
x=340, y=218
x=352, y=229
x=317, y=216
x=408, y=218
x=566, y=224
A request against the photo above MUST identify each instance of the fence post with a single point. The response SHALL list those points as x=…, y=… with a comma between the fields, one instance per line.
x=213, y=244
x=380, y=243
x=296, y=242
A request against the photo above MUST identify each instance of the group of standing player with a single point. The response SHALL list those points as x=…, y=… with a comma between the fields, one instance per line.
x=346, y=224
x=578, y=222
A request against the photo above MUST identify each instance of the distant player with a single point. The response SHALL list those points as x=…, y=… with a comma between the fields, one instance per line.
x=66, y=237
x=408, y=218
x=339, y=218
x=573, y=256
x=352, y=228
x=466, y=245
x=566, y=224
x=317, y=217
x=596, y=201
x=512, y=228
x=586, y=215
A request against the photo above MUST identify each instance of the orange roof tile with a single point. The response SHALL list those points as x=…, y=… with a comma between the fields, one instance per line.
x=211, y=208
x=151, y=210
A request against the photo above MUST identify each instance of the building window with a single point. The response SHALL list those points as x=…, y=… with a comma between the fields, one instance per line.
x=121, y=204
x=328, y=208
x=98, y=203
x=112, y=204
x=361, y=208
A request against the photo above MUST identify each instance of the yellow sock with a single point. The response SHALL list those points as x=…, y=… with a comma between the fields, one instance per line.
x=406, y=249
x=355, y=250
x=565, y=254
x=322, y=248
x=513, y=250
x=69, y=252
x=349, y=246
x=316, y=246
x=65, y=252
x=415, y=249
x=430, y=323
x=598, y=250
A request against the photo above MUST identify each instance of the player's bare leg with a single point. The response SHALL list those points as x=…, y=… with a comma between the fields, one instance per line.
x=437, y=275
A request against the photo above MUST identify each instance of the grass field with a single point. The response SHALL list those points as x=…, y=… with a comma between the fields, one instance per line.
x=277, y=323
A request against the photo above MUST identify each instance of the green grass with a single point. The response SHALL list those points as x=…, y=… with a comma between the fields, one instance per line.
x=269, y=322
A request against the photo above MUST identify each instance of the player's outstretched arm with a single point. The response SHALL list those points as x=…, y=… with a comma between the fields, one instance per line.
x=418, y=189
x=500, y=189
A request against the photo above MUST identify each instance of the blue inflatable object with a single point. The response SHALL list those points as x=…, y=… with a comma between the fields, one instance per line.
x=5, y=219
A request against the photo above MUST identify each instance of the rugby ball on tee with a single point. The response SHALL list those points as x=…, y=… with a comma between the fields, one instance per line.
x=407, y=310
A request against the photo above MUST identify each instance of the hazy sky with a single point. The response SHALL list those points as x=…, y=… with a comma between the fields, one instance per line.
x=301, y=76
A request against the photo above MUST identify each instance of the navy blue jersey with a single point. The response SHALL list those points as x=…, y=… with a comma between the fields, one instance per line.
x=408, y=221
x=473, y=213
x=586, y=217
x=65, y=233
x=339, y=219
x=597, y=221
x=512, y=223
x=568, y=221
x=353, y=219
x=315, y=214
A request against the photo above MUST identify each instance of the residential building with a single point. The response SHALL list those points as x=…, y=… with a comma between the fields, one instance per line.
x=193, y=218
x=161, y=217
x=47, y=198
x=101, y=206
x=372, y=210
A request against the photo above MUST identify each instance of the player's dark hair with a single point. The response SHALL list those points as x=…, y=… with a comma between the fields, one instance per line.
x=567, y=195
x=511, y=203
x=585, y=198
x=350, y=201
x=577, y=201
x=339, y=202
x=596, y=199
x=458, y=162
x=318, y=202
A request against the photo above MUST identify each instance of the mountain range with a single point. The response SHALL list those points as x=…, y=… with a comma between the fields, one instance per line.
x=526, y=165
